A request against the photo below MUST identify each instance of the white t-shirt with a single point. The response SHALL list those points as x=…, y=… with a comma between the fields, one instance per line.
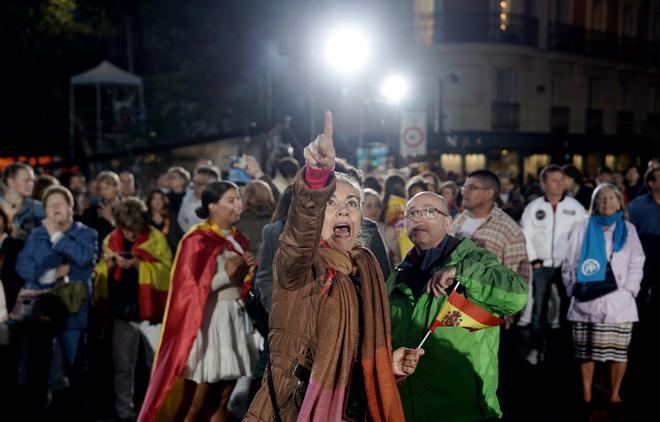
x=469, y=226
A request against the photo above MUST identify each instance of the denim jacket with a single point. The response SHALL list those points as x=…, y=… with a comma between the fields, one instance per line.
x=28, y=218
x=77, y=246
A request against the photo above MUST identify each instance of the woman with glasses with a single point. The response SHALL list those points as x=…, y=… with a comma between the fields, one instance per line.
x=329, y=339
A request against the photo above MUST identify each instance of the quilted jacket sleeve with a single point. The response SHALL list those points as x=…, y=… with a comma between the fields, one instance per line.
x=302, y=232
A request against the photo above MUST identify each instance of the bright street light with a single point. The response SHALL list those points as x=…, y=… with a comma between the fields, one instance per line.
x=347, y=50
x=394, y=89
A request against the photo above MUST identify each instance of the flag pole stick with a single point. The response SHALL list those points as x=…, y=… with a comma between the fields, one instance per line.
x=428, y=333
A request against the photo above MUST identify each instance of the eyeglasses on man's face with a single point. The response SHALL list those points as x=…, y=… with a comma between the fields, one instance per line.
x=471, y=188
x=426, y=213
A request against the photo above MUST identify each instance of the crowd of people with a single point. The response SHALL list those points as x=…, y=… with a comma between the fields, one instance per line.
x=304, y=294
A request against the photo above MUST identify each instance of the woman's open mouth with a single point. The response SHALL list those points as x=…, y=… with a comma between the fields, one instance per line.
x=342, y=231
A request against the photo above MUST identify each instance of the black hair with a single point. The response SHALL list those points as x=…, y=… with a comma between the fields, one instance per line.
x=630, y=167
x=212, y=172
x=573, y=172
x=550, y=168
x=373, y=183
x=417, y=181
x=649, y=176
x=212, y=193
x=394, y=185
x=166, y=202
x=288, y=167
x=488, y=178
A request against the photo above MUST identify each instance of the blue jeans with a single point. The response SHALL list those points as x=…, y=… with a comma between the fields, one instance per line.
x=543, y=279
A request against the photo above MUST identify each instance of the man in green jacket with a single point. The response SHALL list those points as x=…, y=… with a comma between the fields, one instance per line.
x=457, y=378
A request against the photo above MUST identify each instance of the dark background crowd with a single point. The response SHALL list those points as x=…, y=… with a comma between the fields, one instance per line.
x=539, y=387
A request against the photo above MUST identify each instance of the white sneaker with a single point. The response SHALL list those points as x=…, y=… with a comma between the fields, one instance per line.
x=533, y=357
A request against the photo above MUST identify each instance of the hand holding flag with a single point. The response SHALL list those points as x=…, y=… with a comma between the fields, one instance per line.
x=404, y=361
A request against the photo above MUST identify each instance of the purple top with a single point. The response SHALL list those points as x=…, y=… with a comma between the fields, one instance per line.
x=628, y=268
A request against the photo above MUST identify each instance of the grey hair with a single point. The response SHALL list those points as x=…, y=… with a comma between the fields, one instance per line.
x=599, y=191
x=354, y=183
x=362, y=238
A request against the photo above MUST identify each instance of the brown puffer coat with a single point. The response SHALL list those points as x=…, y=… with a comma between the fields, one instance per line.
x=321, y=332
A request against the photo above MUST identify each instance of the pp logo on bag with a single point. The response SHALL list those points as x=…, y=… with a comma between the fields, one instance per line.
x=590, y=266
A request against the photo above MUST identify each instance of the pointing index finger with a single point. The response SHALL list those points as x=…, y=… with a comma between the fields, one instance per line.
x=327, y=126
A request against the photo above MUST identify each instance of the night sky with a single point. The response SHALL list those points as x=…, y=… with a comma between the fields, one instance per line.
x=206, y=64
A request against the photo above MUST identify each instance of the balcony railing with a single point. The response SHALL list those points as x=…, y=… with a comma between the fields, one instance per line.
x=605, y=45
x=479, y=27
x=505, y=116
x=559, y=119
x=594, y=121
x=625, y=123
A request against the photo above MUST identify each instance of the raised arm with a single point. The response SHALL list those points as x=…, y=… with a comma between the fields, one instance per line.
x=312, y=189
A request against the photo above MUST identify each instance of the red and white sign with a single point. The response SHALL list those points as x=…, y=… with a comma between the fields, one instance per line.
x=413, y=133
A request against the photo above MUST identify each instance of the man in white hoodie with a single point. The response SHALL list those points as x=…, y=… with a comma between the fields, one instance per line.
x=546, y=223
x=193, y=198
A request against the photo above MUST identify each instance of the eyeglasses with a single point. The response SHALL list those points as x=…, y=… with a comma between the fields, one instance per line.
x=426, y=213
x=472, y=187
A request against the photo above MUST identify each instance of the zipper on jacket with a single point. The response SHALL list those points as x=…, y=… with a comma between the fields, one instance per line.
x=552, y=245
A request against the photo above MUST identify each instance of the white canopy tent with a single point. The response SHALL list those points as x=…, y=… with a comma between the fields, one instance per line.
x=105, y=73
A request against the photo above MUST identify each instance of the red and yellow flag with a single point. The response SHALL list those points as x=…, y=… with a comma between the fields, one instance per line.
x=458, y=311
x=194, y=267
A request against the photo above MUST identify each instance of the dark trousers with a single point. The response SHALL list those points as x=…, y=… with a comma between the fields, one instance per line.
x=543, y=279
x=33, y=375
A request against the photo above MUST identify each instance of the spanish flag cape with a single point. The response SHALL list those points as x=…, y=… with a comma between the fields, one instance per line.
x=194, y=267
x=155, y=257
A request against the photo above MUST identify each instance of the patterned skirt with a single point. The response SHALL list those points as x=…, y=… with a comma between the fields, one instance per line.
x=601, y=341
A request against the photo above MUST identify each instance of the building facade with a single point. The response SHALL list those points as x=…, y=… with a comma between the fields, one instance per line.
x=517, y=84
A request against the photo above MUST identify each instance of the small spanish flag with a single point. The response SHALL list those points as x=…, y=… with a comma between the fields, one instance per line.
x=458, y=311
